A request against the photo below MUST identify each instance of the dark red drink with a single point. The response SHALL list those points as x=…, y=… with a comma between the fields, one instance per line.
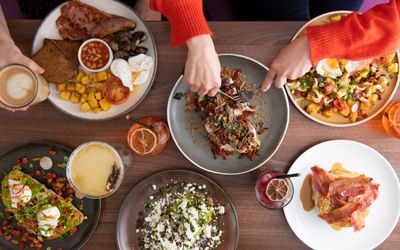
x=273, y=193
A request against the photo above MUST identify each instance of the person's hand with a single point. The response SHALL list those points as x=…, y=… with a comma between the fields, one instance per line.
x=10, y=54
x=142, y=7
x=292, y=62
x=202, y=69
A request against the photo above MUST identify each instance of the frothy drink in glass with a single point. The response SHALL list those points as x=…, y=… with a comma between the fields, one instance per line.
x=21, y=87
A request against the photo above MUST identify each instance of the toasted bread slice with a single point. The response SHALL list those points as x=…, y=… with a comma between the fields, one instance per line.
x=70, y=48
x=42, y=196
x=59, y=68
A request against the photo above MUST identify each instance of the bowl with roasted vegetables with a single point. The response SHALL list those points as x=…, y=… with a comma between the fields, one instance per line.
x=339, y=92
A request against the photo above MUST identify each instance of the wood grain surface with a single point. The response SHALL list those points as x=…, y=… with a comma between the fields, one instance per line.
x=259, y=228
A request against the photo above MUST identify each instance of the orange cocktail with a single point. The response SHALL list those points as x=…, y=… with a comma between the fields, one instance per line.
x=391, y=119
x=148, y=140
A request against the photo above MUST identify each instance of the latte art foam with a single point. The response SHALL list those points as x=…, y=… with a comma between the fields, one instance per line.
x=18, y=86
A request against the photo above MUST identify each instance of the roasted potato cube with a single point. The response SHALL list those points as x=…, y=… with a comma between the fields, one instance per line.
x=101, y=76
x=365, y=106
x=345, y=112
x=65, y=95
x=84, y=98
x=353, y=117
x=312, y=108
x=75, y=97
x=373, y=98
x=97, y=110
x=91, y=95
x=393, y=68
x=94, y=104
x=85, y=80
x=79, y=76
x=336, y=18
x=104, y=104
x=61, y=87
x=364, y=73
x=85, y=107
x=99, y=85
x=80, y=88
x=91, y=90
x=389, y=58
x=98, y=95
x=71, y=86
x=93, y=78
x=328, y=113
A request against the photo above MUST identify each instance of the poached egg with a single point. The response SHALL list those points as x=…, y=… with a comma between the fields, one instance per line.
x=48, y=220
x=19, y=192
x=140, y=66
x=135, y=71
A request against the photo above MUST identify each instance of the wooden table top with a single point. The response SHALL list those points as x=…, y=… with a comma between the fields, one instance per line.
x=259, y=228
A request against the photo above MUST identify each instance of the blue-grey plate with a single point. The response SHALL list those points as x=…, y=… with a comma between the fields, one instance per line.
x=273, y=105
x=91, y=208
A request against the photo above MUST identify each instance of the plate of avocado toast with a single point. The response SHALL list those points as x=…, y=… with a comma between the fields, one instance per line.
x=38, y=207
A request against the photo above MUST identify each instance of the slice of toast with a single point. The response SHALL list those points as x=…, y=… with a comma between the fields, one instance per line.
x=59, y=68
x=70, y=48
x=66, y=209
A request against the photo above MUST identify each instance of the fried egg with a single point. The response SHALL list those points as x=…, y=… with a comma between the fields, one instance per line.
x=120, y=68
x=329, y=67
x=353, y=66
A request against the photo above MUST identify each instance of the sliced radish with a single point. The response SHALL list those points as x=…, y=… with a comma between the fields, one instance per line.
x=46, y=163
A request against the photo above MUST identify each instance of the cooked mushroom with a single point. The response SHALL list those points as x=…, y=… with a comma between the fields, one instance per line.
x=141, y=50
x=125, y=46
x=123, y=36
x=121, y=54
x=139, y=36
x=114, y=45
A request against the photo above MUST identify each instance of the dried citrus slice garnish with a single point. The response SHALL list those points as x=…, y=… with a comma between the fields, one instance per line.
x=143, y=141
x=277, y=189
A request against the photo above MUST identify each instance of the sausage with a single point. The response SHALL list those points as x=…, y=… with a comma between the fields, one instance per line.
x=111, y=26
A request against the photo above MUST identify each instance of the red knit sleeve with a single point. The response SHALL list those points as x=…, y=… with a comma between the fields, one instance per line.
x=358, y=36
x=186, y=18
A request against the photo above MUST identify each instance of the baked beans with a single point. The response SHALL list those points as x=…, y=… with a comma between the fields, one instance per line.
x=95, y=55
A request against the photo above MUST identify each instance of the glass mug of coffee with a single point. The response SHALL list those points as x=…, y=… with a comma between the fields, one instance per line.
x=20, y=87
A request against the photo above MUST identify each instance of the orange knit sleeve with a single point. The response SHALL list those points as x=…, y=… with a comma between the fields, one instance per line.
x=186, y=18
x=358, y=36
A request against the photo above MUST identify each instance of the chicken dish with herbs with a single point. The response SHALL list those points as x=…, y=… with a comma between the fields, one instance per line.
x=230, y=124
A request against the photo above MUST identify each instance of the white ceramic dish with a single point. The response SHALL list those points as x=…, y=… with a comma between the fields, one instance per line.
x=378, y=107
x=110, y=59
x=48, y=29
x=384, y=212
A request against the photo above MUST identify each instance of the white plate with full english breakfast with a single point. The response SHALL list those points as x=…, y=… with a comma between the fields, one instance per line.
x=99, y=57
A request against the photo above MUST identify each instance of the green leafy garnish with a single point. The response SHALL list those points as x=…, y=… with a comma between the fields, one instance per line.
x=178, y=96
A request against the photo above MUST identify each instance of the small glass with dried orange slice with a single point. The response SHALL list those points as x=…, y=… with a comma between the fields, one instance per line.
x=391, y=119
x=273, y=192
x=150, y=140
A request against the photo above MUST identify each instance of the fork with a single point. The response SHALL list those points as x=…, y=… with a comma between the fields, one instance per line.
x=235, y=97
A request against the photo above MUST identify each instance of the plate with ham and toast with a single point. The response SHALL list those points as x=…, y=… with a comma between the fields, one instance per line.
x=99, y=57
